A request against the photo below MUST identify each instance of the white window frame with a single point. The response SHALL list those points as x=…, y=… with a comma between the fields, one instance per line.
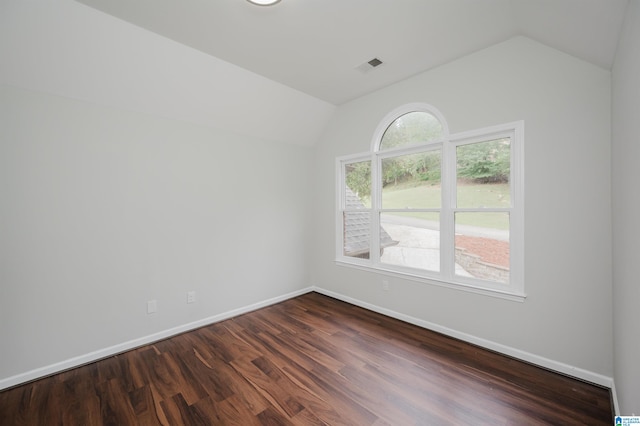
x=446, y=277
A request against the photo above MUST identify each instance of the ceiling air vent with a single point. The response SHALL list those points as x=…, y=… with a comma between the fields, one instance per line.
x=369, y=65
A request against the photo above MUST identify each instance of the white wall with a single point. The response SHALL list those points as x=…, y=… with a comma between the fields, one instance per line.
x=626, y=208
x=565, y=103
x=103, y=209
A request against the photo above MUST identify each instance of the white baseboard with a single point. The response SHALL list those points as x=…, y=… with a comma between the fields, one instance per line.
x=614, y=399
x=560, y=367
x=135, y=343
x=547, y=363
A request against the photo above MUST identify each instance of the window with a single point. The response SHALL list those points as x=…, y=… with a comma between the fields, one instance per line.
x=439, y=208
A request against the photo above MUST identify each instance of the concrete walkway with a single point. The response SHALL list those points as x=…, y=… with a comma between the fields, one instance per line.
x=417, y=248
x=472, y=231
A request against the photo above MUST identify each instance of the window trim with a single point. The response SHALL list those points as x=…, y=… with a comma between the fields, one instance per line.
x=446, y=276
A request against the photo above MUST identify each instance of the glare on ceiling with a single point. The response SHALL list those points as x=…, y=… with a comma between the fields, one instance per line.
x=263, y=2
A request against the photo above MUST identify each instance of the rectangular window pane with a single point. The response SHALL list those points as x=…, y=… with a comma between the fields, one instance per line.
x=357, y=178
x=411, y=181
x=411, y=239
x=357, y=234
x=482, y=245
x=483, y=170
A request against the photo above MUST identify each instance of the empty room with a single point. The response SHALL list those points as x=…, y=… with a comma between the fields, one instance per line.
x=298, y=212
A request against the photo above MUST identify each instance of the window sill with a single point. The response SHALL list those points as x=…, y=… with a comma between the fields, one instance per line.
x=501, y=294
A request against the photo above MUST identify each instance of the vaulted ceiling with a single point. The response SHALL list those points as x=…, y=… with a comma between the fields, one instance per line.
x=271, y=73
x=319, y=46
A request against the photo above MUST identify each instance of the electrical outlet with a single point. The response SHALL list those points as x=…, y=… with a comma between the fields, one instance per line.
x=152, y=306
x=385, y=285
x=191, y=297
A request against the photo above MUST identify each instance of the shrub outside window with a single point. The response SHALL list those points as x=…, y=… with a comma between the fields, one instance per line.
x=434, y=207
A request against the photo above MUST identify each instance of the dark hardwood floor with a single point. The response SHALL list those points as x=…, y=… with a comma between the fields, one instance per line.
x=311, y=360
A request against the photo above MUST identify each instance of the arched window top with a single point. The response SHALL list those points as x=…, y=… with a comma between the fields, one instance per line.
x=410, y=124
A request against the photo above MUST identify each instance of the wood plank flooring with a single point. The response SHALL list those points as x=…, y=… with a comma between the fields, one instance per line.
x=311, y=360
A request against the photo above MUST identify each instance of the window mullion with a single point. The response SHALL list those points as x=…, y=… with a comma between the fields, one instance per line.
x=376, y=195
x=447, y=225
x=340, y=225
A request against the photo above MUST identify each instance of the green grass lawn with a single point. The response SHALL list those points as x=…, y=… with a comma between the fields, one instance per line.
x=427, y=196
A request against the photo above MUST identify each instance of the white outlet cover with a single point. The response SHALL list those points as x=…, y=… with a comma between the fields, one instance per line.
x=152, y=306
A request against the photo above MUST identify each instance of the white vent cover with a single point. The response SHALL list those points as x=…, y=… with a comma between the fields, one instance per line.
x=369, y=65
